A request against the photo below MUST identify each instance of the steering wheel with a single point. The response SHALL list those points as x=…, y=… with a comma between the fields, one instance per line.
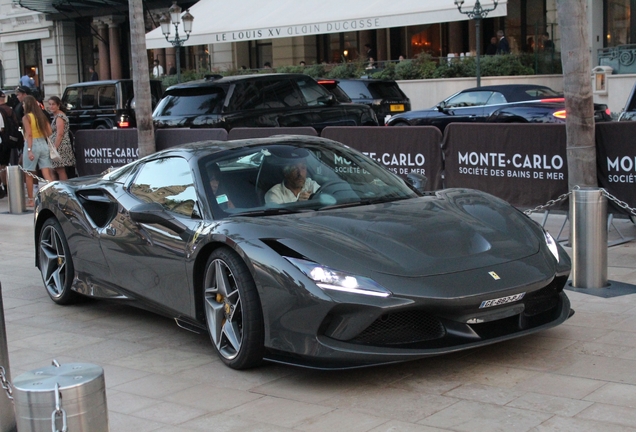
x=326, y=188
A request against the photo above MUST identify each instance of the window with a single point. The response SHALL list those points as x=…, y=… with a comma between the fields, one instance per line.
x=88, y=97
x=106, y=96
x=496, y=98
x=72, y=98
x=314, y=94
x=192, y=102
x=468, y=99
x=169, y=182
x=264, y=94
x=356, y=89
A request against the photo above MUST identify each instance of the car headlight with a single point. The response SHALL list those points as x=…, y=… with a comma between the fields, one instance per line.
x=552, y=245
x=329, y=279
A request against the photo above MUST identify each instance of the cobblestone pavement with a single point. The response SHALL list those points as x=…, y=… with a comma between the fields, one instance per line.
x=580, y=376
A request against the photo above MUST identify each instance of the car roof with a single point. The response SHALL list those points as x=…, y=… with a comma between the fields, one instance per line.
x=104, y=82
x=512, y=92
x=212, y=146
x=213, y=80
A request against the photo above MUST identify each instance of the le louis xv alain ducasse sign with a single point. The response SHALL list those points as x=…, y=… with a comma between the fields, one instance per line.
x=299, y=30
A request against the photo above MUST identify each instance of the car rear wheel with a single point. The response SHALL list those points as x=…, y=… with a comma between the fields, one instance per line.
x=102, y=126
x=55, y=263
x=400, y=124
x=233, y=310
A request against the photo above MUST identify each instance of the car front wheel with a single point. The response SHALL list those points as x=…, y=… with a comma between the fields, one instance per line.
x=55, y=263
x=233, y=310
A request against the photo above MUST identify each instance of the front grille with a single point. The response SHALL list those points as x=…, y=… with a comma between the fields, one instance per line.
x=401, y=328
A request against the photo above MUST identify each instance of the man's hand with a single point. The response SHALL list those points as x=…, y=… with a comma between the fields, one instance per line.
x=304, y=196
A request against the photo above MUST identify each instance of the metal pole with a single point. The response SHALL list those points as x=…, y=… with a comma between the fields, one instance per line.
x=588, y=211
x=178, y=45
x=478, y=38
x=15, y=189
x=7, y=413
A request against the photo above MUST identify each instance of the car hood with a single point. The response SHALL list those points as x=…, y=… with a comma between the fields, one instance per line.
x=455, y=230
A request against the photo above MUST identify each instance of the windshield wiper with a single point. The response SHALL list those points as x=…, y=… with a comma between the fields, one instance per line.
x=271, y=212
x=363, y=202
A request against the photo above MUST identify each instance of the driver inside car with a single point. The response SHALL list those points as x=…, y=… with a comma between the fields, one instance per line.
x=296, y=186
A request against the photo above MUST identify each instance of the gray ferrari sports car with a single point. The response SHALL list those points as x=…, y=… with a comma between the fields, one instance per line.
x=300, y=250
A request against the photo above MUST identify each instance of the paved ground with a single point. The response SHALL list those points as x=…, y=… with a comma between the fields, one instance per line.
x=578, y=377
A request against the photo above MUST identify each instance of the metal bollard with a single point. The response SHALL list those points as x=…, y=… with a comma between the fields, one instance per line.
x=588, y=211
x=7, y=414
x=69, y=397
x=15, y=189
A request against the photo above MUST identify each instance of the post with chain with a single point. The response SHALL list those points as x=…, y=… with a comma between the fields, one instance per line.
x=7, y=412
x=588, y=211
x=15, y=189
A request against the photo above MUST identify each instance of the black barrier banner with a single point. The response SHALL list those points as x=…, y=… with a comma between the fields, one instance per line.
x=166, y=138
x=402, y=150
x=616, y=161
x=524, y=164
x=98, y=150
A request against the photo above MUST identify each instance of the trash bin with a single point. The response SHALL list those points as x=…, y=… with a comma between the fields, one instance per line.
x=81, y=399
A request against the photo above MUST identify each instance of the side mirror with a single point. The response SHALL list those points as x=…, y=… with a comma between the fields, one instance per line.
x=155, y=213
x=441, y=107
x=418, y=181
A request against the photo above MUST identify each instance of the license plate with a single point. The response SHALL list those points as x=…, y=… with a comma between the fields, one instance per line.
x=501, y=301
x=397, y=107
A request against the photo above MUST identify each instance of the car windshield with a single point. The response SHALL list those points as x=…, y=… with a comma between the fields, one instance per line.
x=295, y=177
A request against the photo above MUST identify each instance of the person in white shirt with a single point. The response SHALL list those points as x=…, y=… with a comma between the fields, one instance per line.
x=296, y=186
x=157, y=71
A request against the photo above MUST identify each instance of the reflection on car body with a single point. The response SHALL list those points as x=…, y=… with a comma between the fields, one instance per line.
x=264, y=100
x=367, y=270
x=511, y=103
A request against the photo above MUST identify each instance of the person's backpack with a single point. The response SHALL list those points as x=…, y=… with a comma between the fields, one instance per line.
x=11, y=135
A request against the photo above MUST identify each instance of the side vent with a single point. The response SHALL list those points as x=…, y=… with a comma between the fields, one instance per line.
x=281, y=249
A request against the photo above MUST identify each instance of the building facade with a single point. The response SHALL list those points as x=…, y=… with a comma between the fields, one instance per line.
x=58, y=48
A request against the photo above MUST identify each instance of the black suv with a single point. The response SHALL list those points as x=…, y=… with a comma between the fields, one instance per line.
x=263, y=100
x=384, y=96
x=104, y=104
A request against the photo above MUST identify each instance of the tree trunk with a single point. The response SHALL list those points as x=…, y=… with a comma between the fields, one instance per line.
x=141, y=79
x=577, y=88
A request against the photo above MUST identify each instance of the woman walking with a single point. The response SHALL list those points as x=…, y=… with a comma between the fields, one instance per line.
x=61, y=138
x=36, y=150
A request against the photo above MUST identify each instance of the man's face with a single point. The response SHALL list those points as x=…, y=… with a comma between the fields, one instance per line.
x=296, y=175
x=20, y=96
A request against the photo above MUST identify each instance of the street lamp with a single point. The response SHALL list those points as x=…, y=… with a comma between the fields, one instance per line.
x=477, y=13
x=175, y=18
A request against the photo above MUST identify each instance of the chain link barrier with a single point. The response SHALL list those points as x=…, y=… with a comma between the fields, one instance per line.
x=6, y=385
x=563, y=197
x=58, y=412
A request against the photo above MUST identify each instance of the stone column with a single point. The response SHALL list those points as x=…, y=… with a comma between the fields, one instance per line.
x=381, y=50
x=455, y=35
x=104, y=56
x=115, y=52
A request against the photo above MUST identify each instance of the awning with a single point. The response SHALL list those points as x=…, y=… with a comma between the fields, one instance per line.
x=243, y=20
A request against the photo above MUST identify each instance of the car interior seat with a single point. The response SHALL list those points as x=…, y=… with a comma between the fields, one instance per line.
x=269, y=174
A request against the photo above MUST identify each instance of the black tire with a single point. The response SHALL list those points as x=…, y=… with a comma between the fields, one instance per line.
x=102, y=126
x=55, y=263
x=233, y=310
x=401, y=123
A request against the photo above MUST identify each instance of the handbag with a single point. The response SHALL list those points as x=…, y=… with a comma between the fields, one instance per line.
x=55, y=155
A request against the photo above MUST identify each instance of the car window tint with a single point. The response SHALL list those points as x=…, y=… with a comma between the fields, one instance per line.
x=468, y=99
x=312, y=91
x=106, y=96
x=88, y=97
x=496, y=98
x=191, y=103
x=264, y=94
x=72, y=98
x=175, y=192
x=356, y=89
x=385, y=90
